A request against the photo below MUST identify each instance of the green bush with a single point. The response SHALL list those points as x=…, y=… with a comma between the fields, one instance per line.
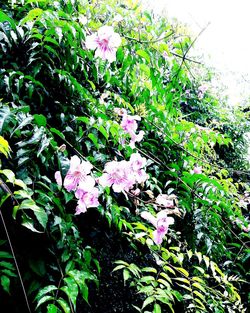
x=59, y=101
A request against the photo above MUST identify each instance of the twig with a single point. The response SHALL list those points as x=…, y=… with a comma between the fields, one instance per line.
x=190, y=46
x=150, y=41
x=194, y=193
x=15, y=260
x=193, y=155
x=188, y=59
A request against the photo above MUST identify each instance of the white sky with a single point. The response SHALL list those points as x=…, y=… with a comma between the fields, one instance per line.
x=226, y=41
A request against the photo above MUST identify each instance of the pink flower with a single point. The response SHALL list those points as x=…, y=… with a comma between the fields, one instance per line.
x=78, y=172
x=120, y=111
x=105, y=41
x=165, y=200
x=165, y=55
x=118, y=175
x=246, y=228
x=136, y=138
x=129, y=123
x=86, y=199
x=197, y=170
x=201, y=91
x=58, y=178
x=136, y=165
x=161, y=222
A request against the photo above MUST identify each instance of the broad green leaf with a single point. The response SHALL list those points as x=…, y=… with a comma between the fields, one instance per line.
x=9, y=174
x=144, y=55
x=29, y=204
x=157, y=308
x=118, y=268
x=94, y=139
x=6, y=255
x=40, y=120
x=5, y=282
x=71, y=289
x=65, y=305
x=149, y=269
x=44, y=291
x=43, y=300
x=5, y=18
x=126, y=275
x=182, y=270
x=51, y=308
x=148, y=301
x=199, y=286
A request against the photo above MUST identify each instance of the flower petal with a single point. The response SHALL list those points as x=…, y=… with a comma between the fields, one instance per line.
x=91, y=42
x=149, y=217
x=158, y=237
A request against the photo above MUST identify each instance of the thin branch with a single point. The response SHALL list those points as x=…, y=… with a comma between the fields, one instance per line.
x=190, y=46
x=150, y=41
x=15, y=260
x=159, y=162
x=193, y=155
x=182, y=56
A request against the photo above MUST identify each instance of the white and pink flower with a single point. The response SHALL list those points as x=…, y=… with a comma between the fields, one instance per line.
x=58, y=178
x=201, y=91
x=78, y=173
x=105, y=43
x=129, y=125
x=136, y=138
x=197, y=170
x=165, y=200
x=86, y=198
x=136, y=164
x=161, y=222
x=122, y=175
x=118, y=175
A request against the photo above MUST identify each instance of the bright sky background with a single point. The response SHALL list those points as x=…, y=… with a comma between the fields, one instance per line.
x=225, y=43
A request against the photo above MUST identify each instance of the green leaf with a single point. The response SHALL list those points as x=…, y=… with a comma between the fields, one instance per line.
x=8, y=265
x=71, y=289
x=144, y=55
x=5, y=18
x=44, y=291
x=44, y=299
x=103, y=131
x=197, y=293
x=29, y=204
x=51, y=308
x=29, y=223
x=148, y=301
x=147, y=279
x=40, y=120
x=5, y=282
x=126, y=275
x=157, y=308
x=182, y=270
x=57, y=132
x=199, y=286
x=65, y=306
x=118, y=268
x=9, y=174
x=169, y=269
x=94, y=139
x=184, y=280
x=6, y=255
x=149, y=269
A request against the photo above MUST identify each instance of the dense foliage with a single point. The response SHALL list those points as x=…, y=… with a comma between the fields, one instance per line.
x=148, y=210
